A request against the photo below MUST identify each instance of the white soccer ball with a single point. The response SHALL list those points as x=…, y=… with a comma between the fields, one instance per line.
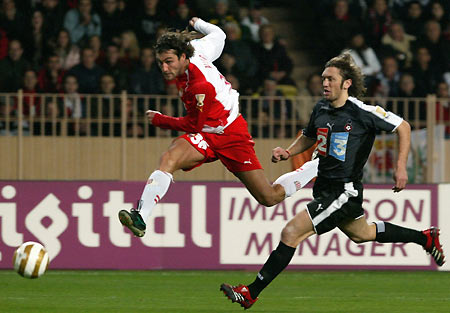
x=30, y=260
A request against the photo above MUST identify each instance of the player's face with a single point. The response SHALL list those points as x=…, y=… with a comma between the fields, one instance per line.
x=170, y=64
x=334, y=87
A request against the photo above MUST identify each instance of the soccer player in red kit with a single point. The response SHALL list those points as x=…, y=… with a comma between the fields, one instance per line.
x=214, y=127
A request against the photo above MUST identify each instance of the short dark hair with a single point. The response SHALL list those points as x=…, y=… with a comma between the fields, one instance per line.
x=178, y=41
x=349, y=70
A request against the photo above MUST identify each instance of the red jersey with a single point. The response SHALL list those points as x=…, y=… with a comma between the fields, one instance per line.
x=210, y=101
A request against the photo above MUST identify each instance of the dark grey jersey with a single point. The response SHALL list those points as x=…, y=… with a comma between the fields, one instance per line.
x=345, y=136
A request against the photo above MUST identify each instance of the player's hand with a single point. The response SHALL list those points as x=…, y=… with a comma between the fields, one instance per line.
x=279, y=154
x=193, y=21
x=400, y=178
x=150, y=114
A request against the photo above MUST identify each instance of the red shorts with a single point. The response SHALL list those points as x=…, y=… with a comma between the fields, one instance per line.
x=234, y=148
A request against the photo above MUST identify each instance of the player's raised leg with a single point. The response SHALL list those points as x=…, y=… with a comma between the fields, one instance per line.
x=180, y=155
x=360, y=231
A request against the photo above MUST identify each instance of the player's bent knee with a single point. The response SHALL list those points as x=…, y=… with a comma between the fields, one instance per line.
x=359, y=239
x=267, y=200
x=168, y=162
x=289, y=234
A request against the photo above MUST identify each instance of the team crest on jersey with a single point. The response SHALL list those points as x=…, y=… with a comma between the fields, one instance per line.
x=200, y=98
x=348, y=127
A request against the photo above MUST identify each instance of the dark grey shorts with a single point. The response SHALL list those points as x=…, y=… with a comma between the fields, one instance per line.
x=334, y=203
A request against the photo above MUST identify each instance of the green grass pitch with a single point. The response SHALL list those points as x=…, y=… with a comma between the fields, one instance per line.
x=198, y=291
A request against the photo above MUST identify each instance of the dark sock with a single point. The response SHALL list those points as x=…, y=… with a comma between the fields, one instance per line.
x=277, y=261
x=387, y=232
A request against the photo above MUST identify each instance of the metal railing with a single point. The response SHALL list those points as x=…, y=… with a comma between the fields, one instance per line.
x=123, y=115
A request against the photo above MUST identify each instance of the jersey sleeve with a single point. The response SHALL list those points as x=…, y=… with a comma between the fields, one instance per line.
x=380, y=119
x=202, y=96
x=212, y=44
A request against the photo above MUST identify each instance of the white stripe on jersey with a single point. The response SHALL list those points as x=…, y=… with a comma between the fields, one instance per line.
x=379, y=112
x=349, y=191
x=207, y=49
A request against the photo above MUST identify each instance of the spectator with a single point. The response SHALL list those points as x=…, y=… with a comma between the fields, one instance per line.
x=222, y=14
x=272, y=57
x=72, y=101
x=4, y=42
x=115, y=68
x=439, y=14
x=31, y=102
x=443, y=106
x=254, y=21
x=364, y=56
x=95, y=43
x=12, y=68
x=53, y=11
x=107, y=108
x=182, y=16
x=88, y=73
x=134, y=129
x=426, y=73
x=270, y=106
x=398, y=44
x=12, y=20
x=129, y=48
x=377, y=22
x=148, y=20
x=71, y=105
x=244, y=65
x=414, y=21
x=437, y=46
x=406, y=107
x=147, y=79
x=113, y=21
x=50, y=77
x=388, y=79
x=401, y=7
x=7, y=128
x=309, y=97
x=336, y=30
x=82, y=22
x=35, y=40
x=69, y=53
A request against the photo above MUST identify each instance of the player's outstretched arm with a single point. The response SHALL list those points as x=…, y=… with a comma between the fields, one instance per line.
x=212, y=44
x=300, y=144
x=404, y=142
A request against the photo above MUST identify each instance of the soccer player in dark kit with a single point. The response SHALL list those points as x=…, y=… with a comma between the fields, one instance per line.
x=344, y=128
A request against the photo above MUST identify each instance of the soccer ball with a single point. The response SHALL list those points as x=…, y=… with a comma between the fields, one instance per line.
x=30, y=260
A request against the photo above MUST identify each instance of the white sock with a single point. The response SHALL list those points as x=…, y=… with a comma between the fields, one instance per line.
x=294, y=181
x=156, y=187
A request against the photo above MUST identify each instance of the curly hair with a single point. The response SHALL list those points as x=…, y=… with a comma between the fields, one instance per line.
x=349, y=70
x=177, y=41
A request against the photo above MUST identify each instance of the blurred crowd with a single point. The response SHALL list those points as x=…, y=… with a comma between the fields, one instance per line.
x=403, y=46
x=42, y=43
x=102, y=47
